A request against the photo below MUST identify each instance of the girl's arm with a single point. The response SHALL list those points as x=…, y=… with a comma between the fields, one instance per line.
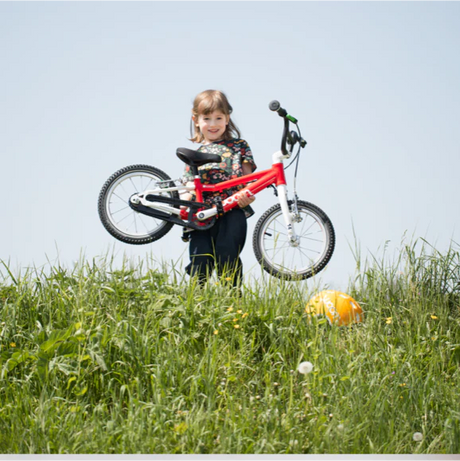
x=247, y=168
x=244, y=200
x=187, y=195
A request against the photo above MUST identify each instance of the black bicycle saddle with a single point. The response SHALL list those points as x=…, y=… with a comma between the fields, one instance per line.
x=196, y=158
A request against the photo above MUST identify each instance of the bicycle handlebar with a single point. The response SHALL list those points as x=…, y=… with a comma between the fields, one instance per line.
x=276, y=107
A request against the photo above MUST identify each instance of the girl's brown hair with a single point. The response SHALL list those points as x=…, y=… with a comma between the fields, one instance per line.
x=207, y=102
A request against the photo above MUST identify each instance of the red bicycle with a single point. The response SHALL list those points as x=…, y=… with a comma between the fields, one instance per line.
x=293, y=239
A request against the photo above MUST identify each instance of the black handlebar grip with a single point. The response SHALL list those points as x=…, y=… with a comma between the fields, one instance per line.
x=274, y=106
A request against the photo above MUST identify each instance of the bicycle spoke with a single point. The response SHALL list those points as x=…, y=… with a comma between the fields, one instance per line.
x=279, y=249
x=313, y=240
x=147, y=187
x=311, y=232
x=118, y=196
x=135, y=224
x=121, y=209
x=127, y=216
x=122, y=186
x=132, y=182
x=310, y=259
x=306, y=230
x=309, y=249
x=278, y=232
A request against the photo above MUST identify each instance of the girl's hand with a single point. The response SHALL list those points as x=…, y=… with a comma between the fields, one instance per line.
x=186, y=196
x=245, y=199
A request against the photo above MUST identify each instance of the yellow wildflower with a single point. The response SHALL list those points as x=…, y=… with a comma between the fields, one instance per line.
x=235, y=320
x=434, y=317
x=216, y=331
x=230, y=309
x=239, y=311
x=244, y=315
x=236, y=326
x=13, y=344
x=389, y=320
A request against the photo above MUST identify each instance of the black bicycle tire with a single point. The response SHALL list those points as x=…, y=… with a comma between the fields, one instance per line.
x=294, y=276
x=160, y=232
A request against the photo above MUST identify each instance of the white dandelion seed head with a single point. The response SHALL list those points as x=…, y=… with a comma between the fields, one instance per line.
x=418, y=437
x=305, y=368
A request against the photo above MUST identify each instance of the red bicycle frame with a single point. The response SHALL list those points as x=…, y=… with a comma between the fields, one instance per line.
x=258, y=181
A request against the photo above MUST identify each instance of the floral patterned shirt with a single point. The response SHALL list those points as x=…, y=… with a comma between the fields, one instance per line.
x=233, y=154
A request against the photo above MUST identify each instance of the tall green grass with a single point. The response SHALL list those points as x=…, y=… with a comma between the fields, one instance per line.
x=138, y=360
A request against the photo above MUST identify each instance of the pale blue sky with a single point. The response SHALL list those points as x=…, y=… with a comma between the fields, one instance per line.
x=88, y=88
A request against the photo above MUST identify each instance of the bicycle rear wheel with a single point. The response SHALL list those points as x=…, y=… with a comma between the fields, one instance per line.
x=118, y=218
x=308, y=256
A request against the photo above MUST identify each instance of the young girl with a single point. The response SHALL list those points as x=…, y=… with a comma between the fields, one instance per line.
x=221, y=245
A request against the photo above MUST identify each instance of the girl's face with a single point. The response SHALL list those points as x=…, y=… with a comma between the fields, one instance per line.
x=212, y=125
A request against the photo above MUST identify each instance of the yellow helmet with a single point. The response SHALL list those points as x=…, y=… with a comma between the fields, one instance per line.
x=339, y=308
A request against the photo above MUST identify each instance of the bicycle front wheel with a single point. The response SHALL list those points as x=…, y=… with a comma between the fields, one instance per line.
x=294, y=260
x=118, y=218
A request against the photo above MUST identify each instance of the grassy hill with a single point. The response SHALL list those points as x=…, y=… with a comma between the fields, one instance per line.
x=95, y=360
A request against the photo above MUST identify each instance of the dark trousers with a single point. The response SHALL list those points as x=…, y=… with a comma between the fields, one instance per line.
x=220, y=247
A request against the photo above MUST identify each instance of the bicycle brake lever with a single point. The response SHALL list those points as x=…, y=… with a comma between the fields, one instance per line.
x=292, y=137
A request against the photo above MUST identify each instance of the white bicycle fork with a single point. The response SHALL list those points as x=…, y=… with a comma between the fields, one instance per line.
x=287, y=215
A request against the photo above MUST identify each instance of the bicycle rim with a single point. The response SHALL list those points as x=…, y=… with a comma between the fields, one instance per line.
x=121, y=216
x=303, y=259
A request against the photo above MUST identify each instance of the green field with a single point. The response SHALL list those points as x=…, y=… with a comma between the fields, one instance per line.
x=137, y=360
